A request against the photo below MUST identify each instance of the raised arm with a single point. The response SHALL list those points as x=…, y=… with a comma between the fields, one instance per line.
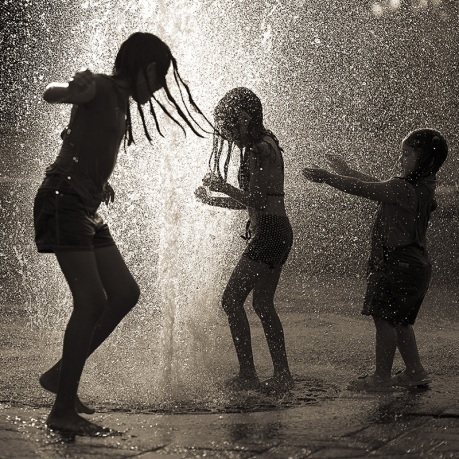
x=338, y=165
x=390, y=191
x=80, y=89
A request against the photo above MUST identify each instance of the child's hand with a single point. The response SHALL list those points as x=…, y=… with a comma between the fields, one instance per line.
x=214, y=182
x=201, y=194
x=338, y=164
x=315, y=174
x=109, y=193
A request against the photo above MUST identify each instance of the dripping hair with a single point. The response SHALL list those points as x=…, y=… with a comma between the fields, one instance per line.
x=226, y=117
x=135, y=54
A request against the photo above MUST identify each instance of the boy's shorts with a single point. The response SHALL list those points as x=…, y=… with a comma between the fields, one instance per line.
x=395, y=293
x=62, y=223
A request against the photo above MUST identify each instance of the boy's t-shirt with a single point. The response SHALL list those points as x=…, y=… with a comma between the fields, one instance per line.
x=405, y=222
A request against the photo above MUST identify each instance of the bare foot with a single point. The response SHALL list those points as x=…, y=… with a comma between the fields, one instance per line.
x=49, y=383
x=239, y=382
x=279, y=384
x=370, y=383
x=405, y=379
x=72, y=423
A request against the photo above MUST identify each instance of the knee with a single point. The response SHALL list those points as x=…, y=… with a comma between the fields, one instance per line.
x=263, y=305
x=383, y=324
x=230, y=305
x=260, y=309
x=132, y=295
x=403, y=329
x=125, y=298
x=90, y=307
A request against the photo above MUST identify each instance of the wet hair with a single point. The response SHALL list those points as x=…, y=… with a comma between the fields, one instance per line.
x=432, y=150
x=226, y=117
x=135, y=54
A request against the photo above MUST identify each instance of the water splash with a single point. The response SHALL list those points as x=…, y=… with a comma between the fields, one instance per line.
x=168, y=346
x=332, y=76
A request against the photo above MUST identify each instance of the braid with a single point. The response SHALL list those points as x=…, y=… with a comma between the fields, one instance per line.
x=164, y=109
x=153, y=113
x=213, y=153
x=228, y=157
x=180, y=111
x=216, y=154
x=142, y=116
x=128, y=133
x=179, y=81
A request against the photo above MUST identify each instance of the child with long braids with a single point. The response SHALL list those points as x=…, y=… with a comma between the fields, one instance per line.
x=399, y=269
x=239, y=121
x=65, y=209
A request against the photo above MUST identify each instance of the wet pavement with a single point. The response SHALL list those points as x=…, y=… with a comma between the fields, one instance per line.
x=417, y=423
x=328, y=343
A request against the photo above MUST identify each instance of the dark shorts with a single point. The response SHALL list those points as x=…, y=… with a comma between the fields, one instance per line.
x=272, y=241
x=62, y=223
x=396, y=291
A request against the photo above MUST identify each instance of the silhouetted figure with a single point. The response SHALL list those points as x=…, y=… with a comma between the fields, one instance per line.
x=239, y=121
x=399, y=269
x=65, y=210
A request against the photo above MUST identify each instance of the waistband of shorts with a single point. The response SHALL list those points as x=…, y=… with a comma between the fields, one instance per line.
x=56, y=183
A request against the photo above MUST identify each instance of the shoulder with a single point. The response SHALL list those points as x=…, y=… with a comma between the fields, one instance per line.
x=104, y=90
x=104, y=84
x=399, y=184
x=264, y=149
x=405, y=191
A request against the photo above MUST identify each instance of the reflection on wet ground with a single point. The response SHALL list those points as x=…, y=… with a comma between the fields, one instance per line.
x=414, y=423
x=328, y=344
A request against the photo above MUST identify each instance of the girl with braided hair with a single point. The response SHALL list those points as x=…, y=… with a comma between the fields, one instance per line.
x=239, y=121
x=399, y=268
x=65, y=209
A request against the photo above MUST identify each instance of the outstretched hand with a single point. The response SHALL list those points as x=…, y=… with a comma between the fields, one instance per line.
x=201, y=194
x=214, y=182
x=337, y=163
x=315, y=174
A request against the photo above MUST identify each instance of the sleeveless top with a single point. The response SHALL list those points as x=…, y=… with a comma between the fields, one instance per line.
x=90, y=145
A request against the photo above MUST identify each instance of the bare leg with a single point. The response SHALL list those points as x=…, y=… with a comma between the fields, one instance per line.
x=242, y=281
x=122, y=294
x=81, y=272
x=408, y=348
x=263, y=303
x=121, y=289
x=386, y=344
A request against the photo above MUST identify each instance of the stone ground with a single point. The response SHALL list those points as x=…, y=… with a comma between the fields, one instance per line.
x=318, y=419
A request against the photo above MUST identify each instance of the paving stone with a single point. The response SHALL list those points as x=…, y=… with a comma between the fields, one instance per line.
x=331, y=453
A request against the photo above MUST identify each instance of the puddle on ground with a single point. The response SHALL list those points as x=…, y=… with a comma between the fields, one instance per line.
x=307, y=391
